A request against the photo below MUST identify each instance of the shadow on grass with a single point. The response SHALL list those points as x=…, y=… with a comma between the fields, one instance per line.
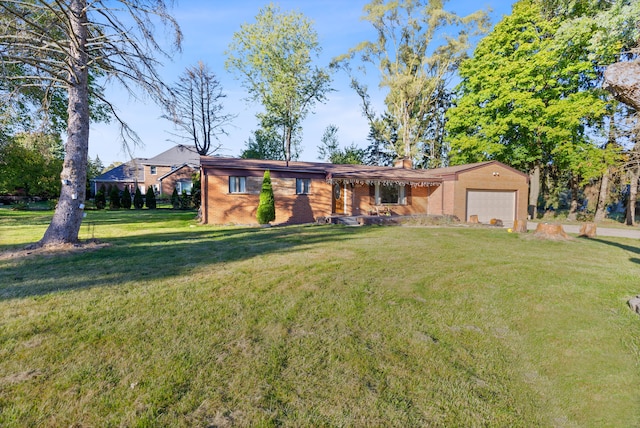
x=156, y=256
x=630, y=248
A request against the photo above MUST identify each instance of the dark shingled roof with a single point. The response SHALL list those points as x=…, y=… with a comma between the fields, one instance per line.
x=357, y=174
x=125, y=172
x=175, y=157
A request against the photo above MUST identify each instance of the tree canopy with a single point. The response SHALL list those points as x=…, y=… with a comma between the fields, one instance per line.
x=196, y=108
x=274, y=57
x=62, y=46
x=526, y=101
x=412, y=65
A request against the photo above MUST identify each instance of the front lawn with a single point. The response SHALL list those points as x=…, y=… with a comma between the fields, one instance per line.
x=177, y=324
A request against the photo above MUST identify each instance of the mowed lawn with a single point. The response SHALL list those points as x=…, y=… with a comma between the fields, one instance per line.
x=178, y=324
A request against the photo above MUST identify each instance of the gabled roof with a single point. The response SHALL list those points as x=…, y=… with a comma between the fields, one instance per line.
x=355, y=174
x=125, y=172
x=175, y=157
x=454, y=171
x=174, y=170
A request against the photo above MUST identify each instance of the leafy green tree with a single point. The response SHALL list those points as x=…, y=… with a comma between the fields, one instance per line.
x=94, y=169
x=525, y=102
x=114, y=198
x=150, y=198
x=125, y=202
x=30, y=164
x=274, y=56
x=138, y=201
x=413, y=67
x=101, y=198
x=606, y=30
x=329, y=149
x=63, y=46
x=267, y=205
x=265, y=144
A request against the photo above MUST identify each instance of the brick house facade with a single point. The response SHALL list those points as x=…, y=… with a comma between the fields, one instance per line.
x=306, y=191
x=170, y=169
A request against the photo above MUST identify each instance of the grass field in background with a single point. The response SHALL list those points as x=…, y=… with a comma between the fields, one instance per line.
x=178, y=324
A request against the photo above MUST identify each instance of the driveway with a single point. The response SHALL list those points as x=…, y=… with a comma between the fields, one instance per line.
x=627, y=232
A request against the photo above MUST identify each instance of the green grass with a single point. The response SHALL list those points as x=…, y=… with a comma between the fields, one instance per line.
x=177, y=324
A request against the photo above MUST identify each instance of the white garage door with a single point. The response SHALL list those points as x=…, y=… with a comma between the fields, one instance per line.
x=492, y=204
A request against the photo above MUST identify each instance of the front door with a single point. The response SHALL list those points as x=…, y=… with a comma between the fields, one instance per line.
x=338, y=198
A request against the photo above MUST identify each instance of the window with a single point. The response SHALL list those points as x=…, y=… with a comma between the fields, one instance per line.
x=153, y=169
x=390, y=194
x=302, y=186
x=237, y=184
x=184, y=186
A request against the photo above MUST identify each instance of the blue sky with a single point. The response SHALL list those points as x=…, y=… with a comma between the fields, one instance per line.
x=208, y=27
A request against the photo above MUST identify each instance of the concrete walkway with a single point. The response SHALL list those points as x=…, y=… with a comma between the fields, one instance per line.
x=627, y=232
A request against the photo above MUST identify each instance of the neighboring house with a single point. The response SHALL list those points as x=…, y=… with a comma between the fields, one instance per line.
x=164, y=172
x=306, y=191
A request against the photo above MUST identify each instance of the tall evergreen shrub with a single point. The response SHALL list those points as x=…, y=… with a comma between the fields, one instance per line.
x=196, y=193
x=267, y=206
x=175, y=199
x=101, y=198
x=138, y=202
x=185, y=201
x=150, y=198
x=114, y=198
x=125, y=202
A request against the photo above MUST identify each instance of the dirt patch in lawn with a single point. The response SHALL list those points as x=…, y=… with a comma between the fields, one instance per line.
x=54, y=250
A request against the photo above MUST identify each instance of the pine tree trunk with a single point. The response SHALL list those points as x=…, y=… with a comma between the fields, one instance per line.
x=633, y=197
x=603, y=195
x=65, y=224
x=534, y=191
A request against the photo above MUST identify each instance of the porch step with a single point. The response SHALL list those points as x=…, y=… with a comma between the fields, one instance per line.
x=347, y=221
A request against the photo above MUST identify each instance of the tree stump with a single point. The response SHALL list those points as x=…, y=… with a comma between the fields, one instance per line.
x=588, y=230
x=520, y=226
x=473, y=219
x=550, y=231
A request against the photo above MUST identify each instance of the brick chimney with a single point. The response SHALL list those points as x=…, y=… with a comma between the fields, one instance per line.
x=405, y=163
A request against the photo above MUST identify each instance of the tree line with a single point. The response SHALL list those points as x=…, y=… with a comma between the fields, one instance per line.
x=530, y=93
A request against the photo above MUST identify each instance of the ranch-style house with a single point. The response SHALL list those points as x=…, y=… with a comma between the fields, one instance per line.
x=307, y=191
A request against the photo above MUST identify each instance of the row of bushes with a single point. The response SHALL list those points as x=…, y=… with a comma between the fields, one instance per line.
x=122, y=199
x=119, y=200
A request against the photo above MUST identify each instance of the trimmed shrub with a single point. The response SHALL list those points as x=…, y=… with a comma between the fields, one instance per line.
x=267, y=206
x=114, y=198
x=126, y=198
x=185, y=201
x=175, y=199
x=196, y=192
x=150, y=198
x=101, y=198
x=138, y=202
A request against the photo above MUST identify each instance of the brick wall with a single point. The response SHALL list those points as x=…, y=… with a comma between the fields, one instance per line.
x=490, y=177
x=169, y=183
x=223, y=207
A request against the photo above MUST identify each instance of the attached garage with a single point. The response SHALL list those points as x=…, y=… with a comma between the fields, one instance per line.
x=488, y=204
x=490, y=190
